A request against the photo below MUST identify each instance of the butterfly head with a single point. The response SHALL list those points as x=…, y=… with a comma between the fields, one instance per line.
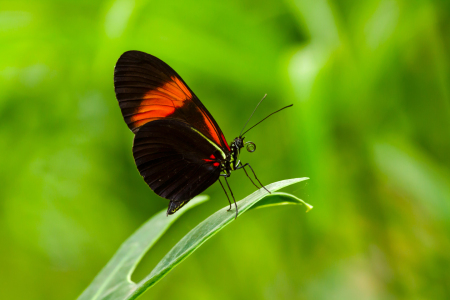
x=238, y=144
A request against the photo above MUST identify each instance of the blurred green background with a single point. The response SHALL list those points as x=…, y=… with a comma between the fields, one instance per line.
x=370, y=125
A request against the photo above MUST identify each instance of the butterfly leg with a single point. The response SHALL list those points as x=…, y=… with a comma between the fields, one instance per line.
x=247, y=174
x=225, y=194
x=231, y=192
x=248, y=165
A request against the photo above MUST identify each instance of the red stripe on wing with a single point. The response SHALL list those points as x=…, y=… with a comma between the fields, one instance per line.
x=148, y=89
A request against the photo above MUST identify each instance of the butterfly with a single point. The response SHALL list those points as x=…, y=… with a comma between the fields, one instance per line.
x=178, y=147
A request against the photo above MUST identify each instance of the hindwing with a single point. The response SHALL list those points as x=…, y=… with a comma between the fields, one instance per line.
x=176, y=161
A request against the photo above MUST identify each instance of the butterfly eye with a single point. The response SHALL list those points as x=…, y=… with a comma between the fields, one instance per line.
x=250, y=146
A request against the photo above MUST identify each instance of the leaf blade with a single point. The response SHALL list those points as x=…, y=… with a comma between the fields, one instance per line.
x=204, y=231
x=114, y=280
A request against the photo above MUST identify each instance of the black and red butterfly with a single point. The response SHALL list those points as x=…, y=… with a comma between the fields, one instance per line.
x=178, y=147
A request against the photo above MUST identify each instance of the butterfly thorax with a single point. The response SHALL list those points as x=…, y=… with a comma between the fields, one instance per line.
x=233, y=159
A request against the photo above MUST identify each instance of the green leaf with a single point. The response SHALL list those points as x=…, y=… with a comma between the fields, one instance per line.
x=114, y=281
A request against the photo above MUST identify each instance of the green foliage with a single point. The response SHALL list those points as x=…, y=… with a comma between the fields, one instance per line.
x=114, y=281
x=370, y=123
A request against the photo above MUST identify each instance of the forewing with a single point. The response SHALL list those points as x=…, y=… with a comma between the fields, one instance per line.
x=148, y=89
x=176, y=161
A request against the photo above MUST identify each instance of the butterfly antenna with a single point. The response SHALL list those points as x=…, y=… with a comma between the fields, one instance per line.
x=266, y=118
x=240, y=134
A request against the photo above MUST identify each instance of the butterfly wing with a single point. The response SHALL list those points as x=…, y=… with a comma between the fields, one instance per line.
x=176, y=161
x=148, y=89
